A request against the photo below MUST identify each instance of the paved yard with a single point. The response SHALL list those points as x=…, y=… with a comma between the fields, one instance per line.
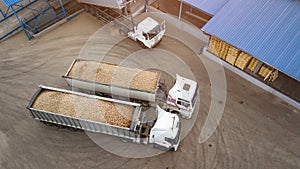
x=257, y=130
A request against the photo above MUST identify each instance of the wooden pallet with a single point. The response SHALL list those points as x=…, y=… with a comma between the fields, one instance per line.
x=214, y=45
x=223, y=50
x=265, y=71
x=232, y=55
x=252, y=65
x=243, y=60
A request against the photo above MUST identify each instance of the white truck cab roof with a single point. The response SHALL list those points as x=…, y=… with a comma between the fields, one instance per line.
x=165, y=120
x=183, y=88
x=166, y=130
x=147, y=25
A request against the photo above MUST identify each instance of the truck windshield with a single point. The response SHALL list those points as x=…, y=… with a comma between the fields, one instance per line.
x=176, y=139
x=183, y=102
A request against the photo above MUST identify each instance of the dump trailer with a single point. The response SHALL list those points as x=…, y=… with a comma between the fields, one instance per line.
x=138, y=85
x=105, y=115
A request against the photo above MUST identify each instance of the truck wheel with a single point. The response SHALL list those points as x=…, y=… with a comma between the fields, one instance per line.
x=142, y=44
x=156, y=146
x=157, y=43
x=146, y=104
x=172, y=149
x=103, y=94
x=126, y=140
x=47, y=123
x=123, y=31
x=73, y=129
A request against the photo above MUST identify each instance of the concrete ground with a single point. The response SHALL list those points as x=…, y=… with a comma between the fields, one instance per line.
x=257, y=130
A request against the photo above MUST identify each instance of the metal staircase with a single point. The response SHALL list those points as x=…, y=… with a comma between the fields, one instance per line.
x=32, y=16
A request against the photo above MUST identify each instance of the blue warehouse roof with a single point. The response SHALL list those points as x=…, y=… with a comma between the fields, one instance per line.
x=209, y=6
x=267, y=29
x=10, y=2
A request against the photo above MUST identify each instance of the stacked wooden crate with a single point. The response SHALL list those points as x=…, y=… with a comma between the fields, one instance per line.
x=265, y=71
x=232, y=55
x=252, y=65
x=240, y=59
x=223, y=49
x=243, y=60
x=273, y=75
x=214, y=45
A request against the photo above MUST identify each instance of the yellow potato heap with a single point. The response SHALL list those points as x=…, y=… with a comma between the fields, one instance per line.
x=84, y=108
x=116, y=75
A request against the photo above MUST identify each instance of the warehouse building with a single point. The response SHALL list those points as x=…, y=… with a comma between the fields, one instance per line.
x=262, y=36
x=259, y=37
x=207, y=6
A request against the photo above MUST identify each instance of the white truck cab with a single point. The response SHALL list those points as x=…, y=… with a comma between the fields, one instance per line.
x=182, y=97
x=166, y=130
x=148, y=32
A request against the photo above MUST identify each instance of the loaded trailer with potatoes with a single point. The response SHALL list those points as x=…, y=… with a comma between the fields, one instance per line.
x=135, y=84
x=105, y=115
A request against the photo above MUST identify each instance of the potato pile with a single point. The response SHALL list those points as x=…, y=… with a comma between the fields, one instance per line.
x=84, y=108
x=116, y=75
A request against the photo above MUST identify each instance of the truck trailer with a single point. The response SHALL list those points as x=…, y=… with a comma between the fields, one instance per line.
x=138, y=85
x=105, y=115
